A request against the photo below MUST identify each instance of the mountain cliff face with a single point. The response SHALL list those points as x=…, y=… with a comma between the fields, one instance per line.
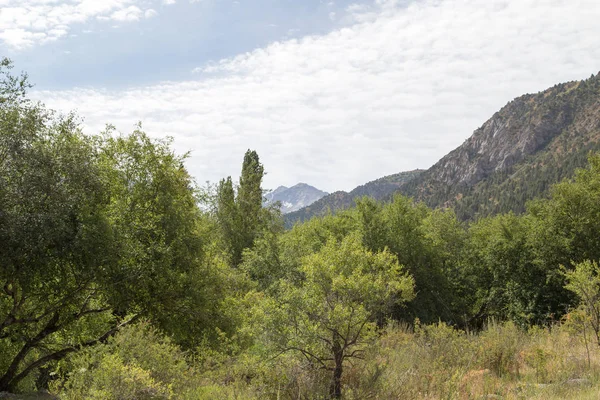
x=531, y=143
x=379, y=189
x=294, y=198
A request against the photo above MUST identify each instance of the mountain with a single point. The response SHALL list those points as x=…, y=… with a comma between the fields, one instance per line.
x=379, y=189
x=533, y=142
x=294, y=198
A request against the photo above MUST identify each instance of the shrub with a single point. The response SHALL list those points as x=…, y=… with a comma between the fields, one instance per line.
x=138, y=363
x=499, y=348
x=111, y=379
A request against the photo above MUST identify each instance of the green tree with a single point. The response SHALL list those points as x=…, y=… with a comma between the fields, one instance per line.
x=565, y=229
x=568, y=224
x=446, y=238
x=370, y=223
x=55, y=234
x=584, y=281
x=13, y=89
x=229, y=219
x=506, y=280
x=403, y=220
x=95, y=231
x=330, y=317
x=242, y=218
x=250, y=197
x=262, y=262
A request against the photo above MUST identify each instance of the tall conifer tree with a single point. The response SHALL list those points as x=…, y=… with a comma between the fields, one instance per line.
x=240, y=217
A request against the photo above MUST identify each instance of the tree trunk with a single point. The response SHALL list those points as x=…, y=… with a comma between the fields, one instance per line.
x=7, y=382
x=12, y=376
x=335, y=391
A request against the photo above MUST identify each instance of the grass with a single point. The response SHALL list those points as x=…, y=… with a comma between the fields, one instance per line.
x=438, y=362
x=425, y=362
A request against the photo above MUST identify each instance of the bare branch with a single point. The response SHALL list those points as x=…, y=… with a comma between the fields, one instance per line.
x=64, y=352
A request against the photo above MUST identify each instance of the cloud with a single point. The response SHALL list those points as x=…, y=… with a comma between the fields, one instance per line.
x=150, y=13
x=129, y=14
x=396, y=89
x=25, y=23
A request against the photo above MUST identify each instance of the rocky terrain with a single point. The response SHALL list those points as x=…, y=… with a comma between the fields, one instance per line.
x=379, y=189
x=533, y=142
x=295, y=197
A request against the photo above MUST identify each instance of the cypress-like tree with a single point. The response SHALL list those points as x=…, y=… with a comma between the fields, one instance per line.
x=229, y=219
x=249, y=199
x=240, y=217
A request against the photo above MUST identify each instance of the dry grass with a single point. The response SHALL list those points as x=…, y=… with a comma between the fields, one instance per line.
x=429, y=362
x=437, y=362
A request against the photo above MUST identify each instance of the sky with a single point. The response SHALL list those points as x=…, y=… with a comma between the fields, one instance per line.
x=333, y=93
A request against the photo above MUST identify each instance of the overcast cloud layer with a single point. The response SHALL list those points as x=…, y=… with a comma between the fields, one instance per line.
x=397, y=88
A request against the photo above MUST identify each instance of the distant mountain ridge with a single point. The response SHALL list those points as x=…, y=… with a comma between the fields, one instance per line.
x=533, y=142
x=295, y=197
x=379, y=189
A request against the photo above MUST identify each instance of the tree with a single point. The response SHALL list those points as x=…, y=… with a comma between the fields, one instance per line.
x=250, y=197
x=565, y=230
x=13, y=89
x=331, y=315
x=262, y=262
x=446, y=238
x=508, y=281
x=95, y=231
x=405, y=237
x=370, y=223
x=242, y=218
x=568, y=224
x=584, y=281
x=229, y=219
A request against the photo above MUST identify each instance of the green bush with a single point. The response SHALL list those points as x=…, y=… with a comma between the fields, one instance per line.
x=112, y=379
x=138, y=363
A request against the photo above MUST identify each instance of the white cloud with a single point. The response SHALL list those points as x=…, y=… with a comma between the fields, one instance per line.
x=169, y=2
x=129, y=14
x=395, y=90
x=150, y=13
x=25, y=23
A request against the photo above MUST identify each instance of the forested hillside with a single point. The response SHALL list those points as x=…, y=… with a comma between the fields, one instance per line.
x=120, y=278
x=378, y=189
x=535, y=141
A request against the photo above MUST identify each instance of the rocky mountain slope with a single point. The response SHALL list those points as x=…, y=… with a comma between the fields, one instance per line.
x=295, y=197
x=379, y=189
x=534, y=141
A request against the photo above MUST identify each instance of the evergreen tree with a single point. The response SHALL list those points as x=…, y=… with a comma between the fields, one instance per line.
x=249, y=200
x=242, y=218
x=228, y=217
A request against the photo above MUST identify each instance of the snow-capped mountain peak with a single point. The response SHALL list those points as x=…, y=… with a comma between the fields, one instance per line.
x=295, y=197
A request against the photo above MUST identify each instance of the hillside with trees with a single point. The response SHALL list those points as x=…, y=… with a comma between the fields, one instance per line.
x=532, y=143
x=378, y=189
x=535, y=141
x=121, y=278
